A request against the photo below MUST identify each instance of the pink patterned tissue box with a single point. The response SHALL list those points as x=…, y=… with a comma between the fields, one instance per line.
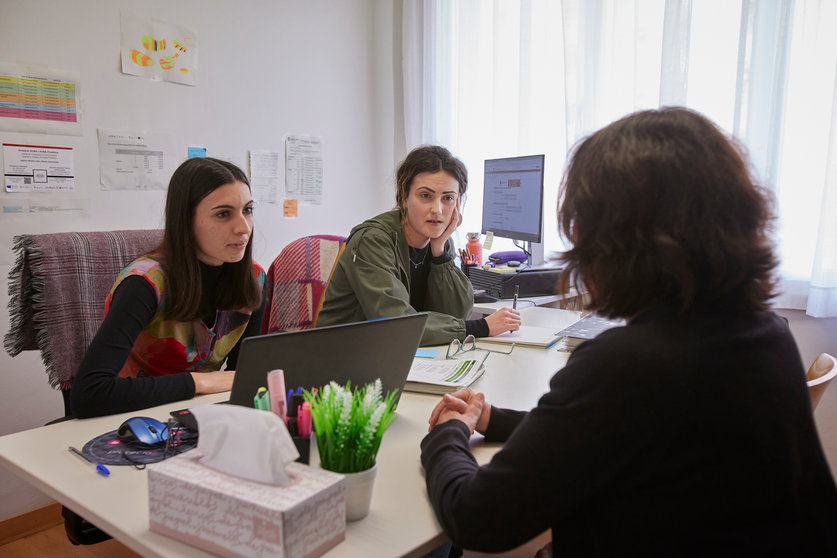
x=230, y=516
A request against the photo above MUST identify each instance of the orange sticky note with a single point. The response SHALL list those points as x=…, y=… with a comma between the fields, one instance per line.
x=289, y=207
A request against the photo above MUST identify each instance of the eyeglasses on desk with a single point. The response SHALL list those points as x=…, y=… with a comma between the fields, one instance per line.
x=470, y=344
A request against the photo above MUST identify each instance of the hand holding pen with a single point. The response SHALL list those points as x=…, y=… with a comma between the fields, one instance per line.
x=503, y=321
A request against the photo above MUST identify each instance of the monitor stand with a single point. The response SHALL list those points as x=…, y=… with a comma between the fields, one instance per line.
x=535, y=257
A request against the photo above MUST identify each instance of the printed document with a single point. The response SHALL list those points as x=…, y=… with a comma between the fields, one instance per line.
x=304, y=169
x=134, y=160
x=442, y=376
x=38, y=168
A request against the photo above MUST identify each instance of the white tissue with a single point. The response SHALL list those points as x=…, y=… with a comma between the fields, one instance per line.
x=247, y=443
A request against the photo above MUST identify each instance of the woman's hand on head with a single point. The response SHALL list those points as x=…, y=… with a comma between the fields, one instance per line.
x=465, y=405
x=504, y=319
x=213, y=382
x=437, y=245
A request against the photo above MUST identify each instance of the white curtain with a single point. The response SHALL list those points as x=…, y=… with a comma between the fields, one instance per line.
x=517, y=77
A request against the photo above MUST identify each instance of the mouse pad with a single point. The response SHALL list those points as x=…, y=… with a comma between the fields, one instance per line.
x=110, y=449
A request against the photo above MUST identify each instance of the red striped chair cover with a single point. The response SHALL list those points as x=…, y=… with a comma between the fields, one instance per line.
x=296, y=282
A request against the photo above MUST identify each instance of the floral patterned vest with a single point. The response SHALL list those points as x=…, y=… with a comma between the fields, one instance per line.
x=170, y=347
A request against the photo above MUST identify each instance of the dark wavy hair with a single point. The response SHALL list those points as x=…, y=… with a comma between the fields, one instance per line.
x=193, y=180
x=428, y=158
x=661, y=205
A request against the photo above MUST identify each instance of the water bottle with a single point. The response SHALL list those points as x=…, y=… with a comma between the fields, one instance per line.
x=474, y=248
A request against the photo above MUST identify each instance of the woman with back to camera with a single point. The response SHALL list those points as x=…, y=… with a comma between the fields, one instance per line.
x=177, y=313
x=687, y=432
x=401, y=261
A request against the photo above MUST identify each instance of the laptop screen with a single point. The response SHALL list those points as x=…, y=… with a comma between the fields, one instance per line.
x=359, y=352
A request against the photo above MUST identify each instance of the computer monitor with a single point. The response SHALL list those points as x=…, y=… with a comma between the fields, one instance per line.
x=512, y=203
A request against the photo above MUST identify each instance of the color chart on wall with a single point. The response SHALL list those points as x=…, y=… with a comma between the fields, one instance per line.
x=36, y=99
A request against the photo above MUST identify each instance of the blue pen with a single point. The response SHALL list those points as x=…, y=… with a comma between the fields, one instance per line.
x=101, y=469
x=290, y=393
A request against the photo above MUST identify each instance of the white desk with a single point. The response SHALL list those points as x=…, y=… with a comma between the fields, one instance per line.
x=400, y=522
x=555, y=301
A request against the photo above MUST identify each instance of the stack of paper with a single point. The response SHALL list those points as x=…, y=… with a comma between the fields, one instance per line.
x=586, y=328
x=442, y=376
x=541, y=327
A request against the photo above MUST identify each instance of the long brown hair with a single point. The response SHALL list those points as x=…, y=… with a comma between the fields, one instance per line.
x=193, y=180
x=660, y=205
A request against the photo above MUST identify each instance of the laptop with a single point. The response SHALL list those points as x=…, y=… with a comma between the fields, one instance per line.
x=359, y=352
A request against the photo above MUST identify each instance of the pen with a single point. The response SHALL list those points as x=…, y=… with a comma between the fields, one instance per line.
x=101, y=469
x=293, y=427
x=296, y=403
x=514, y=301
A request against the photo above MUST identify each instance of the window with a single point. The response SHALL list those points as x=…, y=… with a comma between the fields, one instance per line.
x=499, y=79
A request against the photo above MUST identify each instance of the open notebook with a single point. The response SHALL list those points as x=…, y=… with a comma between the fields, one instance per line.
x=541, y=327
x=444, y=376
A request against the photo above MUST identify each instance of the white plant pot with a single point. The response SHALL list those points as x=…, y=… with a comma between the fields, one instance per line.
x=359, y=493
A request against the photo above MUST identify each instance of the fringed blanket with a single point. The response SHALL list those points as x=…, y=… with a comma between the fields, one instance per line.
x=296, y=282
x=57, y=291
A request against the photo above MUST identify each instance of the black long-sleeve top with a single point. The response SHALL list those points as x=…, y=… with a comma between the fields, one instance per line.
x=97, y=390
x=419, y=274
x=673, y=436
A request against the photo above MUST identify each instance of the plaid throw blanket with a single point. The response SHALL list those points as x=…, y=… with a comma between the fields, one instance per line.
x=57, y=291
x=296, y=282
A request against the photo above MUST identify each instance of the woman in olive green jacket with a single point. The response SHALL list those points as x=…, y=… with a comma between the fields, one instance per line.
x=401, y=262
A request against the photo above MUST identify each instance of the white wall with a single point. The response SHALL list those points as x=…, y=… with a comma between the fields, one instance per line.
x=266, y=68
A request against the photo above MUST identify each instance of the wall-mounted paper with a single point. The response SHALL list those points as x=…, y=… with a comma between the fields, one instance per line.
x=39, y=99
x=264, y=175
x=134, y=160
x=158, y=50
x=38, y=168
x=304, y=169
x=196, y=151
x=289, y=208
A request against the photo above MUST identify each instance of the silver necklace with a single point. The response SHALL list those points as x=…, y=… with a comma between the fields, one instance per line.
x=421, y=253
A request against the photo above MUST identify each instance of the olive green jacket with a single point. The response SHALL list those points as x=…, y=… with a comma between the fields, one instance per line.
x=371, y=279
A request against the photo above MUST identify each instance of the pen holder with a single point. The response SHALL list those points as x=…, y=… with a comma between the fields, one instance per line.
x=466, y=268
x=303, y=446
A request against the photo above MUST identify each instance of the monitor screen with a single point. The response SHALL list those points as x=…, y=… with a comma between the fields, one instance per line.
x=512, y=203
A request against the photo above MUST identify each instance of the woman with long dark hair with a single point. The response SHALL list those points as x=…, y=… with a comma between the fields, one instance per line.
x=176, y=314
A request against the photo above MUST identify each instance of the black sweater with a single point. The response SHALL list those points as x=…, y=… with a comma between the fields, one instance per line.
x=97, y=390
x=673, y=436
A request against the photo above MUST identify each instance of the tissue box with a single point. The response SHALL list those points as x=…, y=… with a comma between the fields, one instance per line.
x=230, y=516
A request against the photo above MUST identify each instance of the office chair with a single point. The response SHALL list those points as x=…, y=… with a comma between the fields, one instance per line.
x=819, y=375
x=296, y=282
x=57, y=290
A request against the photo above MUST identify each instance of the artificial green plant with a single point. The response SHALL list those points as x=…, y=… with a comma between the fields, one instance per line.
x=349, y=424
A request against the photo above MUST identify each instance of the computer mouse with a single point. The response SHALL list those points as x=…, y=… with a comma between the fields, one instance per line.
x=145, y=430
x=482, y=296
